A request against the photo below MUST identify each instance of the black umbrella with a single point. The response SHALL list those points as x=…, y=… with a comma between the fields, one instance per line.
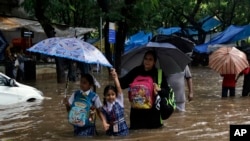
x=184, y=44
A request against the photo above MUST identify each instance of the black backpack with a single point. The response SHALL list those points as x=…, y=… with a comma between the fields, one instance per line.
x=167, y=103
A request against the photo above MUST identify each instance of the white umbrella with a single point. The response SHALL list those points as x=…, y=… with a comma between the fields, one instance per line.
x=70, y=48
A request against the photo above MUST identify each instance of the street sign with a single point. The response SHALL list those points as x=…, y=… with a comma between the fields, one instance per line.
x=112, y=33
x=27, y=34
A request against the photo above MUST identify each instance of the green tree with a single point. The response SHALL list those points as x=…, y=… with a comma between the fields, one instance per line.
x=70, y=12
x=134, y=15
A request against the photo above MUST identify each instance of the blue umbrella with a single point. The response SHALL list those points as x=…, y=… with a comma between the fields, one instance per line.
x=70, y=48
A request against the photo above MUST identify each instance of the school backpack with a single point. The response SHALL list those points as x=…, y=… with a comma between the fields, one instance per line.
x=82, y=112
x=167, y=103
x=141, y=92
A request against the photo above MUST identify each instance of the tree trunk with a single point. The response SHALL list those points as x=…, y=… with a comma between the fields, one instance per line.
x=60, y=70
x=119, y=48
x=50, y=32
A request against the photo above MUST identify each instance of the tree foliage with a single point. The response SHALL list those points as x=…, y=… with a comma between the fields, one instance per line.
x=83, y=13
x=145, y=15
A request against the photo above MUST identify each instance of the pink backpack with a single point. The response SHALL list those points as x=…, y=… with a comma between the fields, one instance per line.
x=141, y=92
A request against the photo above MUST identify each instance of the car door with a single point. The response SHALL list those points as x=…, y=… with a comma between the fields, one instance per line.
x=8, y=94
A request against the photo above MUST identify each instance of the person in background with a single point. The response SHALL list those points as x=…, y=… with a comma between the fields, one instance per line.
x=246, y=82
x=72, y=71
x=20, y=69
x=177, y=82
x=113, y=108
x=16, y=66
x=84, y=67
x=10, y=61
x=228, y=84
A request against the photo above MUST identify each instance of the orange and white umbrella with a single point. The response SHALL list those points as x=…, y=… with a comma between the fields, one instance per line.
x=228, y=60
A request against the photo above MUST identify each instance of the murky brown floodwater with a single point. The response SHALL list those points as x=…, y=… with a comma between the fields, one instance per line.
x=207, y=118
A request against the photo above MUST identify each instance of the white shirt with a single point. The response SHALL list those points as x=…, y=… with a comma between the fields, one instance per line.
x=119, y=99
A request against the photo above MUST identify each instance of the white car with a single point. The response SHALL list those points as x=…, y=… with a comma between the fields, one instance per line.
x=12, y=92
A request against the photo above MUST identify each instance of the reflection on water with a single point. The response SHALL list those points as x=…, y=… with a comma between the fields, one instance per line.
x=207, y=118
x=18, y=118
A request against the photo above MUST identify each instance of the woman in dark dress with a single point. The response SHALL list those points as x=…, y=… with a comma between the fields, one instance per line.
x=146, y=118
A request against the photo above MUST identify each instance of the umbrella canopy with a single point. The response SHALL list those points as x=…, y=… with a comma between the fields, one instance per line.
x=181, y=43
x=170, y=59
x=70, y=48
x=228, y=60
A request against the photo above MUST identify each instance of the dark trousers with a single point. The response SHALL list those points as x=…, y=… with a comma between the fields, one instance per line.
x=246, y=85
x=226, y=89
x=245, y=91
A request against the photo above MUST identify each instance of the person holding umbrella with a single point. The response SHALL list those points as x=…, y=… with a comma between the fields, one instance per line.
x=113, y=108
x=151, y=117
x=228, y=84
x=229, y=62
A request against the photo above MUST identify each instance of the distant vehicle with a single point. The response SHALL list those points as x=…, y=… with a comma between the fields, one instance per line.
x=12, y=92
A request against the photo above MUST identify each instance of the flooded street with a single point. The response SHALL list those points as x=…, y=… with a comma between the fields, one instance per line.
x=207, y=118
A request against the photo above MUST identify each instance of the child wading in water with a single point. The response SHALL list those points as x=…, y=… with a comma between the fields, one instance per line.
x=113, y=108
x=82, y=105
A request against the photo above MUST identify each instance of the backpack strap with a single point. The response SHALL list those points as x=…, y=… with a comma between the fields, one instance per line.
x=77, y=94
x=91, y=95
x=159, y=77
